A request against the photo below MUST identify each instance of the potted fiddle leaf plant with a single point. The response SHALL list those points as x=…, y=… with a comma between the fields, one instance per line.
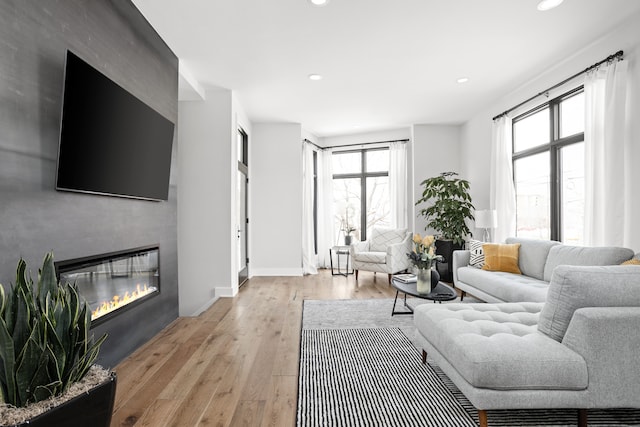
x=449, y=206
x=47, y=354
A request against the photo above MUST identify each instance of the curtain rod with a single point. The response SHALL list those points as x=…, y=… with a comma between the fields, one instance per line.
x=313, y=143
x=355, y=145
x=610, y=58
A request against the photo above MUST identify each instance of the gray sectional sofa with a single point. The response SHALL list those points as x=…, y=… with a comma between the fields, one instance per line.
x=577, y=350
x=537, y=261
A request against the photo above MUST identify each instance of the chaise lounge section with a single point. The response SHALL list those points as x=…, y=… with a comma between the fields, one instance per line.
x=576, y=350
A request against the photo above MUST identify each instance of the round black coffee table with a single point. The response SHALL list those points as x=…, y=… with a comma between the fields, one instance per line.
x=442, y=292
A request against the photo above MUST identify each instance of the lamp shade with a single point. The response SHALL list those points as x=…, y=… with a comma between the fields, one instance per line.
x=486, y=218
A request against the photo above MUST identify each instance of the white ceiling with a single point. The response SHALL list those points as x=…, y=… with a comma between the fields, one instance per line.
x=385, y=63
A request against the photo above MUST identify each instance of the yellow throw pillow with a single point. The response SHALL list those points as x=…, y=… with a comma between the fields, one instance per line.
x=632, y=261
x=501, y=257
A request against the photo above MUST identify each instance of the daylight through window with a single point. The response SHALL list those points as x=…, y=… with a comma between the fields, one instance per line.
x=360, y=192
x=548, y=168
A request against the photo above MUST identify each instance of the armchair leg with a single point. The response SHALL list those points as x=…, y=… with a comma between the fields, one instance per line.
x=424, y=356
x=482, y=418
x=389, y=278
x=582, y=417
x=356, y=274
x=462, y=294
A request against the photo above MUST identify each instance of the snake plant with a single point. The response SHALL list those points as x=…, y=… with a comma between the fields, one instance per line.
x=45, y=344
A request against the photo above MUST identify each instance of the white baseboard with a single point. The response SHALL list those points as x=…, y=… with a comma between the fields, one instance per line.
x=226, y=292
x=276, y=272
x=203, y=308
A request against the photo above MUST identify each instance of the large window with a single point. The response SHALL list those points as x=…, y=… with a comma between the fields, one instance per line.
x=360, y=191
x=548, y=167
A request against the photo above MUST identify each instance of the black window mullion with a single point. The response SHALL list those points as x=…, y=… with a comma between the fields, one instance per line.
x=315, y=202
x=553, y=170
x=363, y=196
x=556, y=228
x=363, y=207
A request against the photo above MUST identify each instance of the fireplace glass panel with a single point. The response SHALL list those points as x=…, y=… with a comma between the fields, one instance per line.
x=112, y=282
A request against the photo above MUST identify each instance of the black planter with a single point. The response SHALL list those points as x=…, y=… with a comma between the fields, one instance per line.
x=445, y=268
x=93, y=409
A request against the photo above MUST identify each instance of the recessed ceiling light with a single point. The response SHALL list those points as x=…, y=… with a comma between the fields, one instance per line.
x=548, y=4
x=319, y=2
x=462, y=80
x=315, y=77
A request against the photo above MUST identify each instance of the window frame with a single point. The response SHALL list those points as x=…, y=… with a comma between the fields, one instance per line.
x=362, y=175
x=554, y=147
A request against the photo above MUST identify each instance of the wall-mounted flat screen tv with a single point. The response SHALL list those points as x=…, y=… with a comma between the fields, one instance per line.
x=110, y=142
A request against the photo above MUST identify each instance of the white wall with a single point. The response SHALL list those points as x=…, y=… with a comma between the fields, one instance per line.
x=475, y=163
x=206, y=134
x=476, y=133
x=276, y=199
x=310, y=136
x=436, y=149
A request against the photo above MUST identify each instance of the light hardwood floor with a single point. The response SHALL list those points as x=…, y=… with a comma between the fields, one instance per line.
x=235, y=364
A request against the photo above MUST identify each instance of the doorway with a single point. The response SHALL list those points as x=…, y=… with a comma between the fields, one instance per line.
x=242, y=220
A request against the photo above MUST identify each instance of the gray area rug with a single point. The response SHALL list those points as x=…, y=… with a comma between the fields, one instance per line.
x=333, y=347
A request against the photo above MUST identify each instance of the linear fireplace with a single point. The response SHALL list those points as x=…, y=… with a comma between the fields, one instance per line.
x=115, y=281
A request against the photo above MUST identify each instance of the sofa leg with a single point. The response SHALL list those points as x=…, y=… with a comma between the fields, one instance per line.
x=482, y=418
x=389, y=278
x=582, y=417
x=424, y=356
x=462, y=295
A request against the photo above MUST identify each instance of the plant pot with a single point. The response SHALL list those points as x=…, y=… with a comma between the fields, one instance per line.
x=93, y=408
x=445, y=268
x=347, y=240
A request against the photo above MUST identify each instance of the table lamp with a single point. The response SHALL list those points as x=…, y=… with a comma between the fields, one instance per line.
x=486, y=219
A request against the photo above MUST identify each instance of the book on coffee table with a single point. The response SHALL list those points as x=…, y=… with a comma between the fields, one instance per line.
x=406, y=278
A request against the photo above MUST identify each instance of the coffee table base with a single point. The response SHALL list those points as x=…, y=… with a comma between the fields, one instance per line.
x=442, y=292
x=409, y=308
x=395, y=300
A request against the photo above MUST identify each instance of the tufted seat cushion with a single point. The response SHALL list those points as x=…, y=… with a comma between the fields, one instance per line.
x=498, y=346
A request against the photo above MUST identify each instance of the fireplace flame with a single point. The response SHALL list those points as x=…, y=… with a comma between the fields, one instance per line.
x=118, y=301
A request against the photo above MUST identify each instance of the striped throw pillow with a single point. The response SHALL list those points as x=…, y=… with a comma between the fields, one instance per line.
x=477, y=254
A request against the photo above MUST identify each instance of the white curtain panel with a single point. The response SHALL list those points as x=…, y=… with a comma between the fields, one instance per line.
x=325, y=207
x=607, y=217
x=398, y=184
x=502, y=193
x=309, y=259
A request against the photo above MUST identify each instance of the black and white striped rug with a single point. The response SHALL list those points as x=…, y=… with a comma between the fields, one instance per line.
x=370, y=377
x=375, y=377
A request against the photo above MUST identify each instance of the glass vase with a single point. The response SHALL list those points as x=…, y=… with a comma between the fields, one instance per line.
x=423, y=283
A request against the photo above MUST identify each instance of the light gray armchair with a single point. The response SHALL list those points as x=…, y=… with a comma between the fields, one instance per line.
x=384, y=252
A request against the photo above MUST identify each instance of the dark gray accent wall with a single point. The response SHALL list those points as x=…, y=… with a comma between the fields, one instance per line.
x=35, y=218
